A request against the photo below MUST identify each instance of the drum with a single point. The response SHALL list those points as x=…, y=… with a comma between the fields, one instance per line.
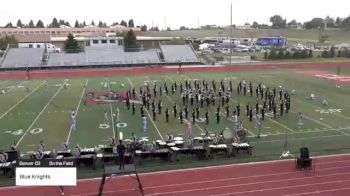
x=212, y=135
x=178, y=138
x=162, y=144
x=179, y=144
x=170, y=144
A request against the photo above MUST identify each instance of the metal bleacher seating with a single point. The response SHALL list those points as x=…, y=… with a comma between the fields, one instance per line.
x=21, y=57
x=177, y=53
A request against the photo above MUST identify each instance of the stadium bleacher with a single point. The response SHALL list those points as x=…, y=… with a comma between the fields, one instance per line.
x=176, y=53
x=99, y=55
x=66, y=59
x=21, y=57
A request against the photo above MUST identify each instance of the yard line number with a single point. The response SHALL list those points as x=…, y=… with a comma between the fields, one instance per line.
x=21, y=131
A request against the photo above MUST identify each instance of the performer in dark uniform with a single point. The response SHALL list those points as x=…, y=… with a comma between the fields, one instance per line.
x=207, y=117
x=181, y=116
x=281, y=108
x=197, y=112
x=167, y=115
x=175, y=110
x=133, y=108
x=121, y=152
x=250, y=114
x=262, y=113
x=154, y=114
x=217, y=117
x=159, y=107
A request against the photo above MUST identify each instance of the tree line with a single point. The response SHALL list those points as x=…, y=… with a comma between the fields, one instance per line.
x=278, y=22
x=57, y=23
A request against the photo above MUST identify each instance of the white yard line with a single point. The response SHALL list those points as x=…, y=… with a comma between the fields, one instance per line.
x=110, y=105
x=20, y=101
x=312, y=131
x=154, y=124
x=40, y=113
x=77, y=110
x=323, y=124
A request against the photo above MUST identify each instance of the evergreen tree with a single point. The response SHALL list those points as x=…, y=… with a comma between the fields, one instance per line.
x=72, y=45
x=123, y=23
x=54, y=23
x=9, y=25
x=130, y=40
x=19, y=23
x=31, y=24
x=92, y=23
x=4, y=41
x=76, y=25
x=143, y=28
x=40, y=24
x=131, y=23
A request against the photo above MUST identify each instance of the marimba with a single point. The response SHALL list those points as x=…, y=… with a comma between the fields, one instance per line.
x=236, y=147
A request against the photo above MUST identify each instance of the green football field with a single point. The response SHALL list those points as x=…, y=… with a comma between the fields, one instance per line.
x=39, y=110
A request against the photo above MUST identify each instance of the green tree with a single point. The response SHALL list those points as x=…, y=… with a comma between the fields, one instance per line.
x=9, y=25
x=130, y=41
x=314, y=23
x=346, y=23
x=255, y=25
x=4, y=41
x=84, y=24
x=54, y=23
x=92, y=23
x=278, y=22
x=40, y=24
x=143, y=28
x=76, y=25
x=19, y=23
x=31, y=24
x=123, y=23
x=131, y=23
x=72, y=45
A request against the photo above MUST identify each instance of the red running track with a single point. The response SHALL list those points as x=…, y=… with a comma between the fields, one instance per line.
x=331, y=176
x=20, y=75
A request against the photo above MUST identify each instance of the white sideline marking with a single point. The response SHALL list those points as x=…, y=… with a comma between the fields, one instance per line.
x=20, y=101
x=154, y=124
x=110, y=105
x=41, y=112
x=77, y=110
